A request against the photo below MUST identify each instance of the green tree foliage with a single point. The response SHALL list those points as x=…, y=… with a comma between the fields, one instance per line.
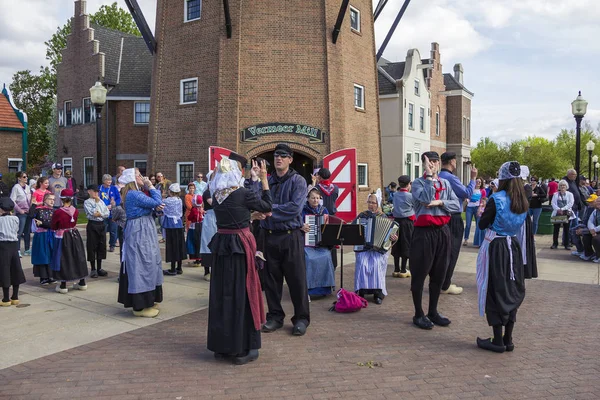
x=34, y=93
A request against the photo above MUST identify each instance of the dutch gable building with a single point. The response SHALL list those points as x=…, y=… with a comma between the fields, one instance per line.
x=13, y=135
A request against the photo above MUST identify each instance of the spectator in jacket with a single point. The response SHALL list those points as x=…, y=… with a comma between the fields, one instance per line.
x=111, y=197
x=538, y=196
x=72, y=184
x=562, y=205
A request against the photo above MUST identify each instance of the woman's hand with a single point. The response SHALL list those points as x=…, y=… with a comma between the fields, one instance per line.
x=305, y=228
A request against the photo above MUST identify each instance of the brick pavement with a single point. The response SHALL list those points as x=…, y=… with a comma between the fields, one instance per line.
x=556, y=356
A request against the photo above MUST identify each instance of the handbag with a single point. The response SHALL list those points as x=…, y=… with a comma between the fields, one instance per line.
x=348, y=302
x=559, y=219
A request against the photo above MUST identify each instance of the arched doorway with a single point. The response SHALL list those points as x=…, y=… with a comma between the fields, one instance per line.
x=301, y=163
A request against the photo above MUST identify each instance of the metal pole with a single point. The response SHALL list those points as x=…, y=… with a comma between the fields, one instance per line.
x=578, y=145
x=392, y=29
x=589, y=164
x=98, y=144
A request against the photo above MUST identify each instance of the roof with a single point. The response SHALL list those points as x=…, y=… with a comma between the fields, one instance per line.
x=394, y=70
x=133, y=78
x=385, y=85
x=452, y=84
x=8, y=116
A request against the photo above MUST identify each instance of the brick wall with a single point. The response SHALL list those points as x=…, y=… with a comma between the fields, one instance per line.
x=11, y=146
x=454, y=109
x=435, y=83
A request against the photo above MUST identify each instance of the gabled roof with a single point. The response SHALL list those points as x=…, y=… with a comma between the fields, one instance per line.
x=8, y=116
x=394, y=69
x=385, y=85
x=386, y=79
x=128, y=64
x=452, y=84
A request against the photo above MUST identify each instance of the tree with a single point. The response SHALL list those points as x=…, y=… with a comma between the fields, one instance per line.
x=114, y=17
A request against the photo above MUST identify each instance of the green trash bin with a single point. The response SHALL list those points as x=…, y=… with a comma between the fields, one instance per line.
x=545, y=227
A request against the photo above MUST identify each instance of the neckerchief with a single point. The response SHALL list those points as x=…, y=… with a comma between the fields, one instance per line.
x=221, y=195
x=326, y=187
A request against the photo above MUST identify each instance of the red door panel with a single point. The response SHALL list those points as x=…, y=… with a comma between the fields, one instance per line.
x=342, y=165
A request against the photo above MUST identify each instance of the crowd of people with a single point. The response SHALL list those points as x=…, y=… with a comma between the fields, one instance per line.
x=248, y=229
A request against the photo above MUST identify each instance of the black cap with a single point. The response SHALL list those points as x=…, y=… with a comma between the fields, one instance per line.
x=283, y=148
x=432, y=155
x=6, y=204
x=93, y=187
x=582, y=177
x=324, y=173
x=404, y=180
x=448, y=156
x=238, y=157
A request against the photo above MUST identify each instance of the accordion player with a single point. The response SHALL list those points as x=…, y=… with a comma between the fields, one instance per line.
x=378, y=232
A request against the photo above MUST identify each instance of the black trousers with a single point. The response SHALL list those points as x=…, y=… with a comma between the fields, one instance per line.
x=284, y=252
x=429, y=253
x=457, y=230
x=565, y=235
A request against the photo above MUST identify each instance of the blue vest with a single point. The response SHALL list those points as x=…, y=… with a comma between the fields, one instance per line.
x=506, y=222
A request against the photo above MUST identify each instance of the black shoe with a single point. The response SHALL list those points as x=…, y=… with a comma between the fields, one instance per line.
x=487, y=344
x=94, y=274
x=179, y=271
x=44, y=282
x=554, y=246
x=299, y=328
x=250, y=356
x=223, y=356
x=438, y=319
x=111, y=249
x=567, y=247
x=168, y=272
x=423, y=322
x=508, y=344
x=102, y=272
x=50, y=280
x=378, y=300
x=271, y=326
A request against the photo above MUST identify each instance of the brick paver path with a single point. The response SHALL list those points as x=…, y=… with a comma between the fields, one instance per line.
x=557, y=355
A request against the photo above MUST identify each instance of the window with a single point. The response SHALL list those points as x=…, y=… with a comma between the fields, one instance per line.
x=437, y=123
x=417, y=87
x=142, y=113
x=464, y=127
x=422, y=119
x=87, y=111
x=417, y=166
x=468, y=128
x=408, y=164
x=411, y=113
x=88, y=171
x=189, y=91
x=67, y=164
x=193, y=10
x=354, y=19
x=68, y=114
x=142, y=165
x=15, y=165
x=185, y=173
x=363, y=175
x=359, y=97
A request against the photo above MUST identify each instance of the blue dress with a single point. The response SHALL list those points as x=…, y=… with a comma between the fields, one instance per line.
x=320, y=276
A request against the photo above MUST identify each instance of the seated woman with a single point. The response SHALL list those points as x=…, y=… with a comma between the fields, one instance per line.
x=320, y=276
x=371, y=265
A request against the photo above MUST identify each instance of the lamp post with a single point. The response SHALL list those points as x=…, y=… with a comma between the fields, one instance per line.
x=98, y=98
x=578, y=107
x=590, y=148
x=594, y=162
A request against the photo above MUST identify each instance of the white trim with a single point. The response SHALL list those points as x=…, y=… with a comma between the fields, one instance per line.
x=437, y=124
x=181, y=82
x=388, y=76
x=358, y=165
x=15, y=159
x=185, y=163
x=70, y=163
x=127, y=98
x=359, y=19
x=362, y=91
x=389, y=96
x=419, y=87
x=134, y=112
x=408, y=116
x=424, y=122
x=185, y=14
x=458, y=92
x=141, y=161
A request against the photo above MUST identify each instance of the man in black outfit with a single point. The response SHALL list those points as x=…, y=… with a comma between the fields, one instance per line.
x=284, y=245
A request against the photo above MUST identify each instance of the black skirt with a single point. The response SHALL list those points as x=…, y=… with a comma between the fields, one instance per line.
x=69, y=253
x=137, y=301
x=402, y=247
x=504, y=295
x=95, y=241
x=11, y=272
x=230, y=324
x=531, y=270
x=175, y=246
x=42, y=271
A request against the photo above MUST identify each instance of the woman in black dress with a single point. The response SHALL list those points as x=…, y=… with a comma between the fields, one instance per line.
x=235, y=311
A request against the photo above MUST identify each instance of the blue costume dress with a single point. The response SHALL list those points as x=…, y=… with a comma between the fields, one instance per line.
x=371, y=266
x=320, y=277
x=141, y=276
x=41, y=248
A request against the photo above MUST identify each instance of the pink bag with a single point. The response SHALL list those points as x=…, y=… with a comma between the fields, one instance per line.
x=348, y=302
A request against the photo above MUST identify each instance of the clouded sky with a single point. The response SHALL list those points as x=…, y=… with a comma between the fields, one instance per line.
x=525, y=60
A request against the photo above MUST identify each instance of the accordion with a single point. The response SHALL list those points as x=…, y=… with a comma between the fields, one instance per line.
x=313, y=237
x=378, y=230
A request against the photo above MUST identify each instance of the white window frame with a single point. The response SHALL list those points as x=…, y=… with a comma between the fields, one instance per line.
x=411, y=116
x=181, y=83
x=409, y=165
x=468, y=128
x=362, y=96
x=437, y=124
x=135, y=162
x=464, y=127
x=422, y=120
x=19, y=162
x=83, y=110
x=179, y=164
x=135, y=112
x=366, y=183
x=65, y=111
x=69, y=163
x=417, y=88
x=185, y=12
x=85, y=181
x=357, y=11
x=417, y=164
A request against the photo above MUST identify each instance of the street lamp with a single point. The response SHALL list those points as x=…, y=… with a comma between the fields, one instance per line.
x=98, y=98
x=594, y=161
x=596, y=174
x=590, y=148
x=578, y=107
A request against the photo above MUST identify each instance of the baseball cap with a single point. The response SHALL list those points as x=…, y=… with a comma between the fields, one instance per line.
x=57, y=166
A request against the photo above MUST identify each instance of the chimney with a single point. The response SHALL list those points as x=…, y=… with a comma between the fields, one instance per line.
x=435, y=51
x=458, y=73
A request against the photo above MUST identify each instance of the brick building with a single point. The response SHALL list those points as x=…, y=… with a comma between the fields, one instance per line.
x=124, y=65
x=448, y=113
x=278, y=78
x=13, y=135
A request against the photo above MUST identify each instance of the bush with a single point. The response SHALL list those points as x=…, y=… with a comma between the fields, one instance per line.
x=10, y=179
